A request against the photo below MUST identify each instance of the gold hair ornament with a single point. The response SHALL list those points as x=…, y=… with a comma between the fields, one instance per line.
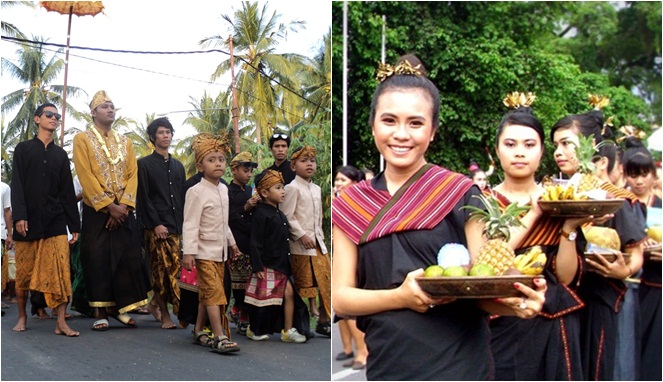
x=516, y=99
x=598, y=102
x=104, y=147
x=631, y=131
x=385, y=70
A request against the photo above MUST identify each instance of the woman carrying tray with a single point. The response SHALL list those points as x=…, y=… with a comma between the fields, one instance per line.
x=602, y=288
x=546, y=347
x=388, y=229
x=640, y=172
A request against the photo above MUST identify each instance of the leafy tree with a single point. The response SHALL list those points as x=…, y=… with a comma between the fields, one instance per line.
x=475, y=53
x=34, y=71
x=8, y=29
x=255, y=35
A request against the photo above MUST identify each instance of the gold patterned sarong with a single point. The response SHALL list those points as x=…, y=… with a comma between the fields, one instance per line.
x=43, y=265
x=165, y=262
x=313, y=274
x=210, y=288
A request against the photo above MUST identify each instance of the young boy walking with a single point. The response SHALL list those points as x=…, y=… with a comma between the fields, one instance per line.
x=310, y=260
x=242, y=206
x=270, y=290
x=206, y=237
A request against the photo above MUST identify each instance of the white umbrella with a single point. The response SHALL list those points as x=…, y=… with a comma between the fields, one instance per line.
x=655, y=140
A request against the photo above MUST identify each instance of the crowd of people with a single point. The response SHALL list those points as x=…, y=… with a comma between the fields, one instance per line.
x=587, y=320
x=194, y=245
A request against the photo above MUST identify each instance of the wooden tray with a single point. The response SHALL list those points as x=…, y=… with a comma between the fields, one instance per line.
x=580, y=208
x=611, y=257
x=653, y=253
x=474, y=287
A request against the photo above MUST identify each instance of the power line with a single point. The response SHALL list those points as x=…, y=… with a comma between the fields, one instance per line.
x=260, y=71
x=159, y=73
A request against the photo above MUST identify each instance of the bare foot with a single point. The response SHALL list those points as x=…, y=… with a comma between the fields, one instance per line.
x=42, y=315
x=168, y=324
x=66, y=331
x=314, y=311
x=155, y=311
x=20, y=325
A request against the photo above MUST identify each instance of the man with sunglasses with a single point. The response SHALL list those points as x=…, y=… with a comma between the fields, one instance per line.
x=279, y=144
x=43, y=206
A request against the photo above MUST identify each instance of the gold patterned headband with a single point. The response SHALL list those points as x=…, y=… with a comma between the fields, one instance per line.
x=385, y=70
x=206, y=143
x=99, y=98
x=268, y=179
x=516, y=99
x=598, y=102
x=304, y=151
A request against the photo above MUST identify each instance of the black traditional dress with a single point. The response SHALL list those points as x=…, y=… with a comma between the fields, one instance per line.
x=603, y=296
x=240, y=225
x=650, y=316
x=546, y=347
x=448, y=342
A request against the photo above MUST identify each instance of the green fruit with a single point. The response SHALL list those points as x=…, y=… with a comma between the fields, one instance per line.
x=455, y=271
x=482, y=270
x=434, y=271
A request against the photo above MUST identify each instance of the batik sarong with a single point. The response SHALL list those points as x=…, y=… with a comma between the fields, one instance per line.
x=165, y=262
x=43, y=265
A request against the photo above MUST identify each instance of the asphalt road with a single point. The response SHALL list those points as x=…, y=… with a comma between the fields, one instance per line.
x=150, y=353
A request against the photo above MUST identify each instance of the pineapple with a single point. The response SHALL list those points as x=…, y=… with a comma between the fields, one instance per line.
x=495, y=251
x=586, y=178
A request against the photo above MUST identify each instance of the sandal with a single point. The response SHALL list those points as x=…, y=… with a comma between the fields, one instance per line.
x=125, y=319
x=222, y=345
x=197, y=338
x=100, y=325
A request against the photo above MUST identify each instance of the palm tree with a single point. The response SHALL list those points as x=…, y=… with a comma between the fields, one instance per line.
x=138, y=136
x=317, y=82
x=9, y=29
x=211, y=116
x=255, y=36
x=33, y=70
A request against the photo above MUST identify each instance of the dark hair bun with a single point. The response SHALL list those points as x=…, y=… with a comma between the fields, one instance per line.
x=413, y=61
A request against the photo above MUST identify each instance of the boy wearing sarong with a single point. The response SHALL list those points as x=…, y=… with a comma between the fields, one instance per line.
x=310, y=260
x=206, y=238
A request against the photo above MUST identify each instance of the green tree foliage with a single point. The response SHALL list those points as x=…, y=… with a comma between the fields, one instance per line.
x=33, y=70
x=475, y=53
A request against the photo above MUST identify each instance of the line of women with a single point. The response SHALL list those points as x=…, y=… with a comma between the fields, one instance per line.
x=387, y=230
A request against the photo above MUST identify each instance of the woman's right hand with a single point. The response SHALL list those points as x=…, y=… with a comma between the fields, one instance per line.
x=413, y=297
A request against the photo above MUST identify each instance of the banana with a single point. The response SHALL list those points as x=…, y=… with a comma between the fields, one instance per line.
x=554, y=193
x=568, y=194
x=533, y=269
x=518, y=261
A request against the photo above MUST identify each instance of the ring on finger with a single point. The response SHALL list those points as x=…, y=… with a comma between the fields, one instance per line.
x=431, y=306
x=523, y=304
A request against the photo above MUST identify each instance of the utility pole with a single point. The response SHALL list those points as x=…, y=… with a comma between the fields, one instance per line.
x=235, y=110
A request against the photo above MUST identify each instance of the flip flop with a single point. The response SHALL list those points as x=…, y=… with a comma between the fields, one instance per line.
x=124, y=319
x=103, y=321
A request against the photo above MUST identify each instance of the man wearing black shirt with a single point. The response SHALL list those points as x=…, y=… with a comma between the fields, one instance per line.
x=43, y=206
x=160, y=206
x=279, y=144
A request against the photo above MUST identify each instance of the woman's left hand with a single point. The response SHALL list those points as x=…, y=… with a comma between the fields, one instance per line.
x=530, y=305
x=618, y=269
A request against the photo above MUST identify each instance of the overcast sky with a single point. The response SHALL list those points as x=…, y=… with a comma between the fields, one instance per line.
x=151, y=26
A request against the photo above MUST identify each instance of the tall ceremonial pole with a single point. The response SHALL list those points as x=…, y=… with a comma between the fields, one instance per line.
x=345, y=83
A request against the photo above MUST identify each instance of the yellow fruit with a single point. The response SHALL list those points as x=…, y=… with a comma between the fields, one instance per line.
x=455, y=271
x=603, y=237
x=654, y=233
x=482, y=270
x=434, y=271
x=568, y=194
